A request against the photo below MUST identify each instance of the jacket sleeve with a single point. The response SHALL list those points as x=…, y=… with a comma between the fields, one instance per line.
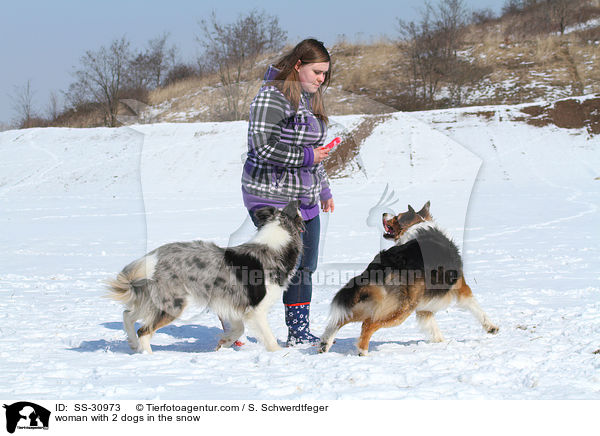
x=325, y=189
x=267, y=114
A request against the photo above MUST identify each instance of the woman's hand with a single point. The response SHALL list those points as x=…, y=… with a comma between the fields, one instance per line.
x=320, y=154
x=327, y=205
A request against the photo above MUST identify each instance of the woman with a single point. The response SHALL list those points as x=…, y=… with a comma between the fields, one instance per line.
x=286, y=131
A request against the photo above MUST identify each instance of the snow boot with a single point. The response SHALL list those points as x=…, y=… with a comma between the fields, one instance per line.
x=296, y=318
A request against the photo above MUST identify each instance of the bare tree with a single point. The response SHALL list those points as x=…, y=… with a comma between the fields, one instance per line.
x=232, y=49
x=512, y=7
x=162, y=58
x=560, y=13
x=138, y=75
x=421, y=67
x=148, y=68
x=22, y=104
x=431, y=47
x=101, y=78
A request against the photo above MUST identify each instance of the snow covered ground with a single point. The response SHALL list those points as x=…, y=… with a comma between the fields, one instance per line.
x=76, y=205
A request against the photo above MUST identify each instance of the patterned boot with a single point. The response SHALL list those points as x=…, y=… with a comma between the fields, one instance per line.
x=296, y=318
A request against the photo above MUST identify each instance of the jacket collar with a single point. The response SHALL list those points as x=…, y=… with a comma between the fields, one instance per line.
x=270, y=74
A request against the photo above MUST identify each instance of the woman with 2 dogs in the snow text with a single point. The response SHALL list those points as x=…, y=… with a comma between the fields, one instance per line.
x=286, y=134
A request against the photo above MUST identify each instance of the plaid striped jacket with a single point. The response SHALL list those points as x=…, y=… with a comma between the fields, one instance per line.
x=280, y=162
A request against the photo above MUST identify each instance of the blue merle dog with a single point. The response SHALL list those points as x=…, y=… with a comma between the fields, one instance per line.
x=239, y=284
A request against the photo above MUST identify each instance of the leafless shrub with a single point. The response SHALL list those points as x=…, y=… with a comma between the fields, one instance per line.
x=181, y=72
x=431, y=47
x=53, y=107
x=483, y=16
x=461, y=79
x=22, y=104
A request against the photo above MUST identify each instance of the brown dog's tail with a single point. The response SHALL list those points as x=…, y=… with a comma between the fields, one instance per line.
x=343, y=303
x=341, y=312
x=338, y=313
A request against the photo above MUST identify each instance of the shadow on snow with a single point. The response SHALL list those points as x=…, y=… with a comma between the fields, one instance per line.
x=198, y=339
x=347, y=346
x=202, y=339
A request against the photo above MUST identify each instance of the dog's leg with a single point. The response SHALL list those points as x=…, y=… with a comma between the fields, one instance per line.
x=144, y=336
x=473, y=306
x=329, y=335
x=466, y=300
x=129, y=326
x=369, y=326
x=258, y=322
x=426, y=321
x=235, y=331
x=146, y=332
x=257, y=318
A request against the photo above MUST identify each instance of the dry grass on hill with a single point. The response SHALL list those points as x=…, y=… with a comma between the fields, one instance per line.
x=371, y=78
x=516, y=62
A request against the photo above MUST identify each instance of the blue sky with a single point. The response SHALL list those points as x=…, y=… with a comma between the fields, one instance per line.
x=43, y=40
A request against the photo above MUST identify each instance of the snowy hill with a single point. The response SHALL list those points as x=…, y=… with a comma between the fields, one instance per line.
x=521, y=201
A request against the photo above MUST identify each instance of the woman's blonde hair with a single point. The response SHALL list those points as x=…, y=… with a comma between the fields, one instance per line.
x=287, y=81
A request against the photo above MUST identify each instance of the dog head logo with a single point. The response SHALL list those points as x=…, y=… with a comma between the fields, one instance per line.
x=25, y=415
x=383, y=206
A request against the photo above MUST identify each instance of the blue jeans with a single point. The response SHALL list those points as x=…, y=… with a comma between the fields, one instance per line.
x=299, y=291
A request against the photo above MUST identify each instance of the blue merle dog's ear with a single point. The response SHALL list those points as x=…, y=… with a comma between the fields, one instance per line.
x=263, y=214
x=291, y=209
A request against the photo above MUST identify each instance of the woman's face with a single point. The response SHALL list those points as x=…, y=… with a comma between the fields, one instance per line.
x=312, y=75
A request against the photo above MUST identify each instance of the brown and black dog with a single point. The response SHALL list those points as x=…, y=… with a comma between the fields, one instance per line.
x=422, y=272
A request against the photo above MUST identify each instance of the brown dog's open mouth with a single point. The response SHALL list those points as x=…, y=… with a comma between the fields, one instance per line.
x=389, y=232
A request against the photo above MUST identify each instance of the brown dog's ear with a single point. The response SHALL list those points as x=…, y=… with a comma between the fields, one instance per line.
x=411, y=210
x=424, y=212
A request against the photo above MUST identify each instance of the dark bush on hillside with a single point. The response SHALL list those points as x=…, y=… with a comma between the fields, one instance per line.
x=139, y=94
x=536, y=17
x=34, y=122
x=84, y=114
x=586, y=13
x=483, y=16
x=589, y=35
x=181, y=72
